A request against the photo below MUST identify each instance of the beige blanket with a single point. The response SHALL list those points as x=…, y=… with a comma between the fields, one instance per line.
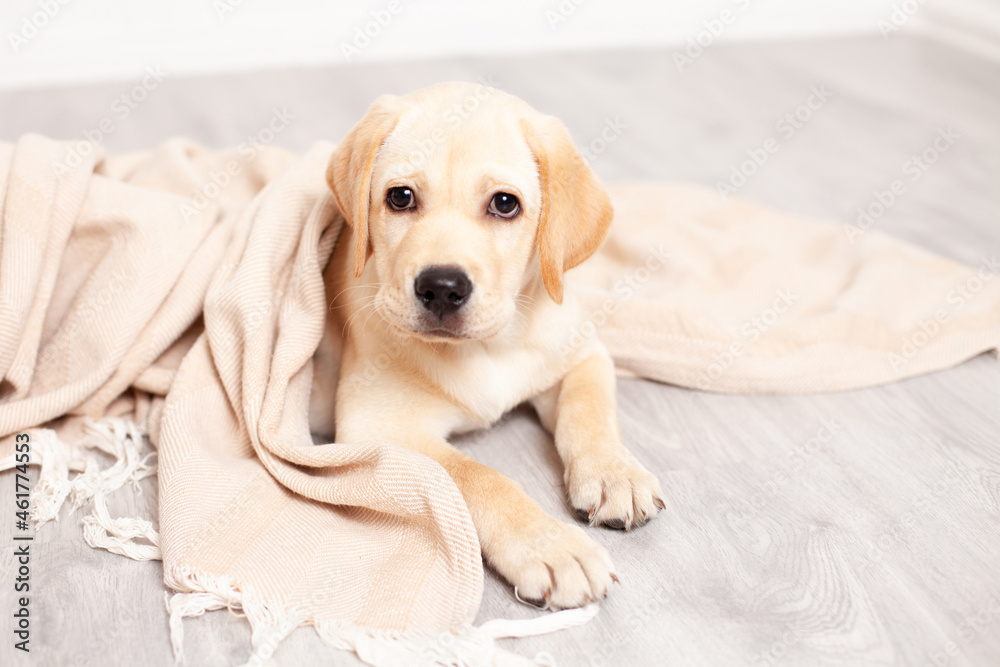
x=183, y=289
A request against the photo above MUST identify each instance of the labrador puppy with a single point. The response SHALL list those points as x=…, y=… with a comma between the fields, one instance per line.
x=464, y=207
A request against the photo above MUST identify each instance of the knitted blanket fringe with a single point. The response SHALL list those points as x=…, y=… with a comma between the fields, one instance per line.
x=196, y=593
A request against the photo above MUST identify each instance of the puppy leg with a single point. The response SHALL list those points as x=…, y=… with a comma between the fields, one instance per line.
x=552, y=563
x=604, y=482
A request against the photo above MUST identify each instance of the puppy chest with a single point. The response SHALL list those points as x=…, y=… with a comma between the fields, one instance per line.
x=488, y=386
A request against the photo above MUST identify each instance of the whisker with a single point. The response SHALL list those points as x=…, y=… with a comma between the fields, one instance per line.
x=527, y=304
x=361, y=308
x=368, y=285
x=367, y=319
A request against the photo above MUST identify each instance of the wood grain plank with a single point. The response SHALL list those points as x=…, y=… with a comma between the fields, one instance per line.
x=879, y=545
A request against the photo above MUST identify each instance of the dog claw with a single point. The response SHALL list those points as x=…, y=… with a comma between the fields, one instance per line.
x=617, y=524
x=659, y=503
x=538, y=604
x=614, y=578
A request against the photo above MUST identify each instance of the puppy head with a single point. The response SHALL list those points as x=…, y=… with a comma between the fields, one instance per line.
x=461, y=196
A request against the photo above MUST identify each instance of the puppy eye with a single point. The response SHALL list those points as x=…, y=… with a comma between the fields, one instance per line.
x=401, y=198
x=504, y=205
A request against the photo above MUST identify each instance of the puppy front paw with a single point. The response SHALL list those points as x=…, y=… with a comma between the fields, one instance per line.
x=552, y=564
x=612, y=489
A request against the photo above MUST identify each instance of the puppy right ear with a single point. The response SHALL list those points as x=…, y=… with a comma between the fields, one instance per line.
x=576, y=211
x=349, y=173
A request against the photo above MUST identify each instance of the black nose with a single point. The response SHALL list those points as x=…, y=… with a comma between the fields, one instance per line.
x=442, y=289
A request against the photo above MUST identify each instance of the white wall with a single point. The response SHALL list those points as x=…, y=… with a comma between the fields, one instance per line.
x=970, y=24
x=51, y=42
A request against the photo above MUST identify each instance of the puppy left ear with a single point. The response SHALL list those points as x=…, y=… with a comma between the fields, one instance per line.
x=576, y=211
x=349, y=173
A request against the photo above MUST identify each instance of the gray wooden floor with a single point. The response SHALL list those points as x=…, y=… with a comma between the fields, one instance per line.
x=858, y=528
